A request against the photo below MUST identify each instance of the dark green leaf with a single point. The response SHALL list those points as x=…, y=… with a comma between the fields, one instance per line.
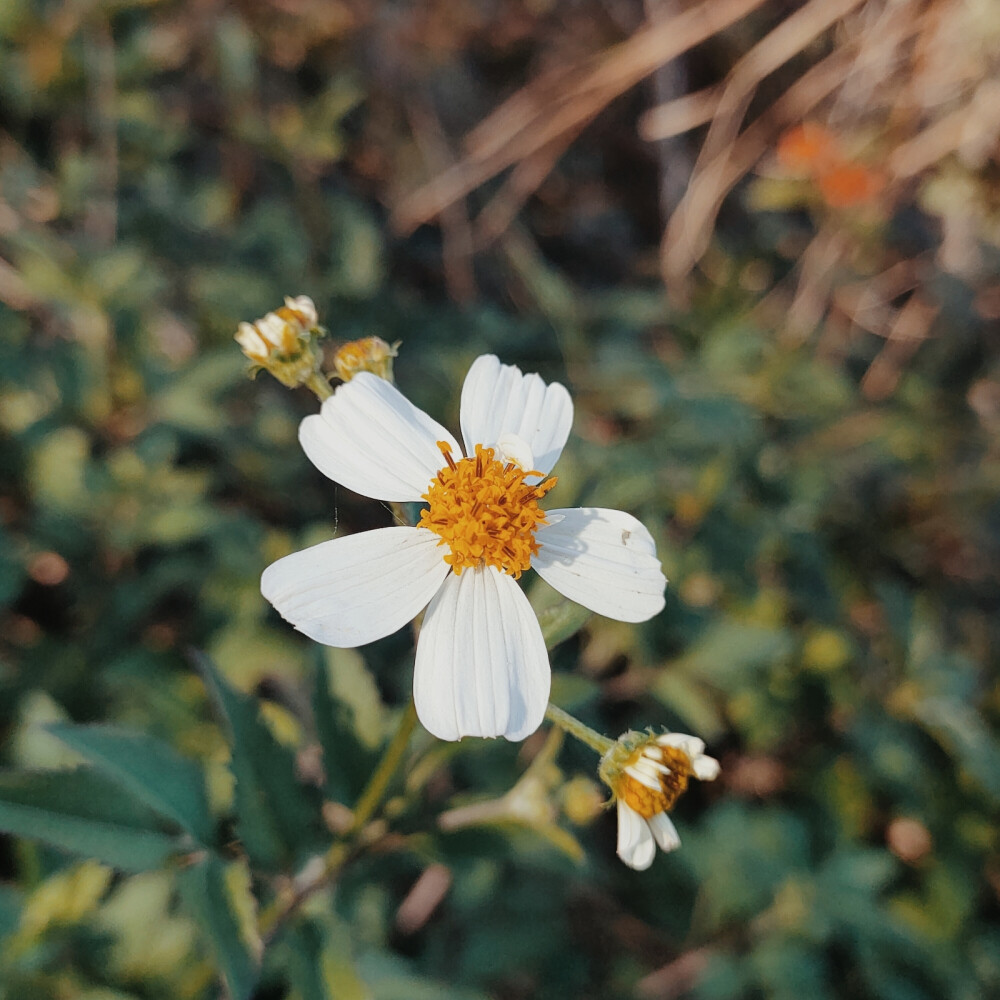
x=319, y=961
x=218, y=896
x=85, y=813
x=348, y=763
x=277, y=816
x=149, y=769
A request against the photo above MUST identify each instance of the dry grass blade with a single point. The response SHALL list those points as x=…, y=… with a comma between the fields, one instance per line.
x=788, y=39
x=561, y=102
x=909, y=331
x=523, y=181
x=690, y=227
x=681, y=115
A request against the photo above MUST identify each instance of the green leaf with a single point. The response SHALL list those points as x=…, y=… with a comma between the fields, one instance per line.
x=149, y=769
x=277, y=816
x=558, y=617
x=348, y=763
x=730, y=650
x=320, y=965
x=962, y=731
x=85, y=813
x=218, y=896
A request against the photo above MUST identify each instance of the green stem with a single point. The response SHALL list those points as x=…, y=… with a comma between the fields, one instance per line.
x=319, y=385
x=391, y=759
x=576, y=728
x=337, y=855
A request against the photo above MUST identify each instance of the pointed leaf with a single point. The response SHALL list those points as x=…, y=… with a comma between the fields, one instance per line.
x=218, y=896
x=348, y=763
x=83, y=812
x=277, y=816
x=149, y=769
x=320, y=964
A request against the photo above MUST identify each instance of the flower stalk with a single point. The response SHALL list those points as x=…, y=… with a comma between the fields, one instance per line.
x=575, y=728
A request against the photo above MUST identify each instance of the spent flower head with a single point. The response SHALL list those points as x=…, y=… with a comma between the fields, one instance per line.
x=647, y=774
x=284, y=342
x=370, y=354
x=481, y=665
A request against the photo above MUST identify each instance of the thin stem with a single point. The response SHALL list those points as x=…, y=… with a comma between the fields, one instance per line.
x=391, y=759
x=322, y=871
x=319, y=385
x=576, y=728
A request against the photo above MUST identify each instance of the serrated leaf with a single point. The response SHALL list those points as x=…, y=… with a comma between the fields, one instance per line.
x=147, y=768
x=277, y=816
x=218, y=896
x=83, y=812
x=348, y=763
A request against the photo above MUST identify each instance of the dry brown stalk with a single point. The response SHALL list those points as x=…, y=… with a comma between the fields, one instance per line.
x=563, y=101
x=788, y=39
x=690, y=227
x=680, y=115
x=456, y=232
x=909, y=331
x=501, y=210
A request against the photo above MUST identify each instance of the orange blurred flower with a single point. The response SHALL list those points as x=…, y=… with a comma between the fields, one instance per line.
x=812, y=151
x=850, y=184
x=808, y=149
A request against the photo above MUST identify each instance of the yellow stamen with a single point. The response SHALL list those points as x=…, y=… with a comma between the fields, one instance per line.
x=673, y=783
x=484, y=511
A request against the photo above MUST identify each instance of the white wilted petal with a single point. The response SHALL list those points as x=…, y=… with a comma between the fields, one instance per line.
x=664, y=832
x=636, y=846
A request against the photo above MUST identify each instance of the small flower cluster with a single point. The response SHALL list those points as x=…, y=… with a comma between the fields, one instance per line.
x=284, y=342
x=813, y=152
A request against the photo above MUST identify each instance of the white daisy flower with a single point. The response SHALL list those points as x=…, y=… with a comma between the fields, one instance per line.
x=647, y=774
x=481, y=665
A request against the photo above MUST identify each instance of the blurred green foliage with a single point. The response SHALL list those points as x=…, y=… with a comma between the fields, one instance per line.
x=831, y=629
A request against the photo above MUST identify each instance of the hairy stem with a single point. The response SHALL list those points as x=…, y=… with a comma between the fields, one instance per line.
x=576, y=728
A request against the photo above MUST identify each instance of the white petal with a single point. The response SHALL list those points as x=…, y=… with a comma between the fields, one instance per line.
x=664, y=832
x=481, y=667
x=250, y=340
x=511, y=448
x=497, y=399
x=706, y=768
x=356, y=589
x=635, y=840
x=304, y=305
x=370, y=438
x=691, y=745
x=644, y=778
x=602, y=559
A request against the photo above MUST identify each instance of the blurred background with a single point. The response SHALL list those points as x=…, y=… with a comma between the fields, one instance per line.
x=759, y=240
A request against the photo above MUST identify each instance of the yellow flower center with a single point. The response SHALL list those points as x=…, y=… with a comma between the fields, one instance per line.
x=484, y=511
x=673, y=782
